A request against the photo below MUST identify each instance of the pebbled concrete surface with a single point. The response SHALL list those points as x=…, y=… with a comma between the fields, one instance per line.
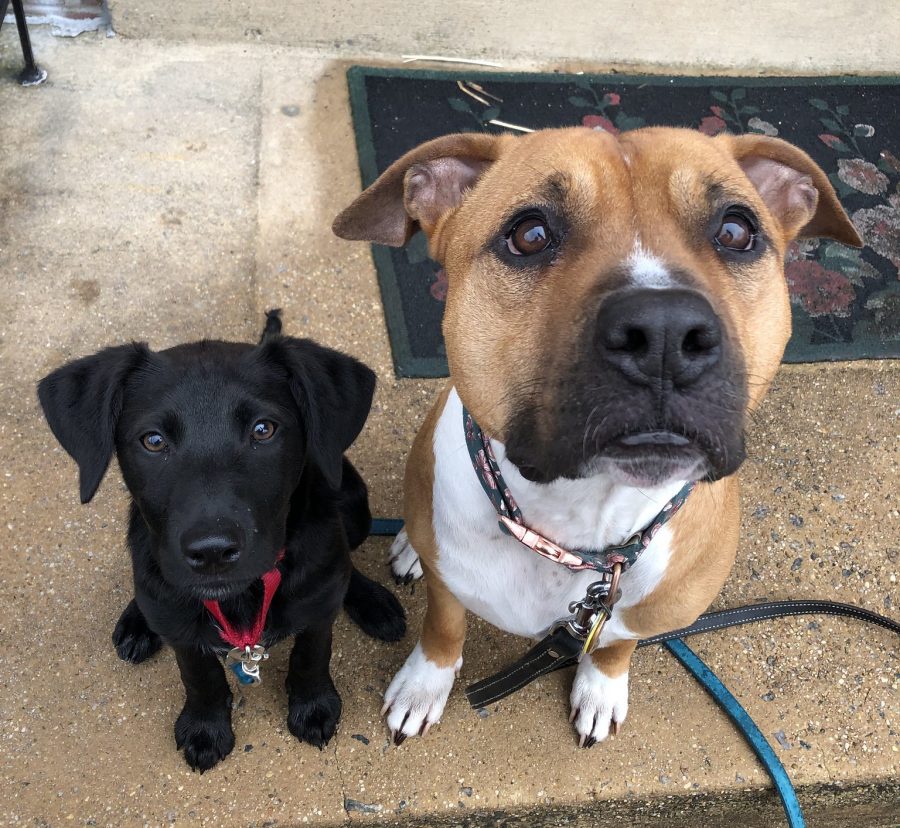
x=165, y=192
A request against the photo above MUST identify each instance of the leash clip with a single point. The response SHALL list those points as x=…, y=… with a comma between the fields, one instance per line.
x=590, y=614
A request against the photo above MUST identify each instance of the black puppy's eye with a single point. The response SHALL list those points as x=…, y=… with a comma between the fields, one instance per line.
x=529, y=236
x=736, y=232
x=153, y=441
x=263, y=430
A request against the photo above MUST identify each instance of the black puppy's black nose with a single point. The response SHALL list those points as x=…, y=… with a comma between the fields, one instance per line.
x=211, y=553
x=659, y=334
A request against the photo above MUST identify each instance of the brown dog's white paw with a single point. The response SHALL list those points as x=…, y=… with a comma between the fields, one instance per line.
x=416, y=697
x=404, y=560
x=599, y=703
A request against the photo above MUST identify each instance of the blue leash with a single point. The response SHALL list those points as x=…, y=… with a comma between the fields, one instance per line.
x=733, y=709
x=386, y=527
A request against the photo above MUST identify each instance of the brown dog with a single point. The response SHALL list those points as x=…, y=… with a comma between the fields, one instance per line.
x=616, y=308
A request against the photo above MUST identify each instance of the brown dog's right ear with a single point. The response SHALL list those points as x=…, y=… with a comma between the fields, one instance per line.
x=419, y=188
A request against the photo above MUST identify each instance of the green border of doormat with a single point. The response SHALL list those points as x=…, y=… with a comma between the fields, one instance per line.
x=407, y=365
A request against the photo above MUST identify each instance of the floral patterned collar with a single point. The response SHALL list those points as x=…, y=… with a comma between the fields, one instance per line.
x=510, y=519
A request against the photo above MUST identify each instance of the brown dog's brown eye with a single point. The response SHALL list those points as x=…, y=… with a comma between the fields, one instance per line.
x=735, y=233
x=263, y=430
x=153, y=441
x=529, y=236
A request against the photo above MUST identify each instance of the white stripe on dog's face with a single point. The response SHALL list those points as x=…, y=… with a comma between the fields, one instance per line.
x=647, y=270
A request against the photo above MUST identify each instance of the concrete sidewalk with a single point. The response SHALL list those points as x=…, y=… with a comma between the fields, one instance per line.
x=166, y=191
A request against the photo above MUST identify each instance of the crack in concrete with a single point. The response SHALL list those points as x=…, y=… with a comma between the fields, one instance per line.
x=337, y=763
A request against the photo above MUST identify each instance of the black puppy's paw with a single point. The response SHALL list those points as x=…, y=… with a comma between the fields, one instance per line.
x=133, y=639
x=314, y=719
x=375, y=609
x=206, y=740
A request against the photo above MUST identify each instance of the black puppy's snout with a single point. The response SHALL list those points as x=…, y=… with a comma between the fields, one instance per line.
x=652, y=335
x=210, y=553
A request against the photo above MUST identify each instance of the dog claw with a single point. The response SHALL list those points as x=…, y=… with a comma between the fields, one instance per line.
x=614, y=727
x=399, y=738
x=589, y=742
x=573, y=714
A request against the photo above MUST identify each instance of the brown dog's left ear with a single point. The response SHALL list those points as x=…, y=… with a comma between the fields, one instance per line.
x=417, y=189
x=793, y=187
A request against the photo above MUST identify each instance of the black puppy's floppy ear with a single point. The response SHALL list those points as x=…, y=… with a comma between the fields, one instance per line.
x=334, y=392
x=82, y=402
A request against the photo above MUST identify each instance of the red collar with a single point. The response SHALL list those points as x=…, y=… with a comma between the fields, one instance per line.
x=249, y=638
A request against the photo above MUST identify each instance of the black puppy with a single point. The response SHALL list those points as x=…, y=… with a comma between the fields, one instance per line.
x=233, y=455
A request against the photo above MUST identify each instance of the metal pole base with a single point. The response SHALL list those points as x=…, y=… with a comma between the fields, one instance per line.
x=32, y=75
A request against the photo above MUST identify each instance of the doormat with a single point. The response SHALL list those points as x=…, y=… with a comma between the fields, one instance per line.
x=845, y=302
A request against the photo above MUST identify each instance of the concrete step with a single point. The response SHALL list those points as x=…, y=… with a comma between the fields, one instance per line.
x=804, y=37
x=168, y=191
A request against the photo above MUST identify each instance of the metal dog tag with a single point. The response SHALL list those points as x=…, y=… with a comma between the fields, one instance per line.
x=244, y=663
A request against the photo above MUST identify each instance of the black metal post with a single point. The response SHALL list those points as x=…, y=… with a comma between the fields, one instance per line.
x=32, y=74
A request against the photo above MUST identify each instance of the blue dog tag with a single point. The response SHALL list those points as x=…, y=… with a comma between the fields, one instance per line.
x=242, y=676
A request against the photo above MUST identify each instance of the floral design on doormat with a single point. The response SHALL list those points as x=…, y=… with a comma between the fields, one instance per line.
x=601, y=117
x=731, y=114
x=482, y=118
x=867, y=179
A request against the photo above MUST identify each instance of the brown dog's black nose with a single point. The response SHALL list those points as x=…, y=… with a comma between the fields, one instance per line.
x=659, y=334
x=211, y=553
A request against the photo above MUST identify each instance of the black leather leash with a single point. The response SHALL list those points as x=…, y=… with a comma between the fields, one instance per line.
x=720, y=619
x=560, y=650
x=553, y=652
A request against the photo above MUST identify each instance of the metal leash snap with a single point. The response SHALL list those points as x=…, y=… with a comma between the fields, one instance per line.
x=590, y=614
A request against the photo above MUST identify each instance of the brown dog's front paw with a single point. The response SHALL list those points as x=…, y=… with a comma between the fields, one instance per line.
x=206, y=741
x=416, y=697
x=314, y=719
x=404, y=560
x=599, y=703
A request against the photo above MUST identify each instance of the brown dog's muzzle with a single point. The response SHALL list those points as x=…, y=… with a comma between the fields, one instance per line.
x=656, y=393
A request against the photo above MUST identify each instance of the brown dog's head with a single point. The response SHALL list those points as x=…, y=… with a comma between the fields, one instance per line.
x=614, y=304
